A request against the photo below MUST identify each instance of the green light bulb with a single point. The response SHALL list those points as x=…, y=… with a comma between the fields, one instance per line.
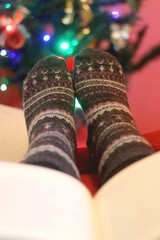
x=64, y=46
x=5, y=80
x=74, y=42
x=7, y=5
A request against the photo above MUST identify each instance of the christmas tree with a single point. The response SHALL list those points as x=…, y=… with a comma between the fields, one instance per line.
x=31, y=30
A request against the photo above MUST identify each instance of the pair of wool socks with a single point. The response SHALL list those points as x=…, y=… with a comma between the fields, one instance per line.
x=113, y=139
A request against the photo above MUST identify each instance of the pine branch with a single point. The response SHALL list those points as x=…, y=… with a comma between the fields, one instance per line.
x=152, y=54
x=141, y=34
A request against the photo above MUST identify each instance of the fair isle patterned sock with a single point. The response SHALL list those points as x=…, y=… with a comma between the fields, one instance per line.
x=113, y=139
x=48, y=107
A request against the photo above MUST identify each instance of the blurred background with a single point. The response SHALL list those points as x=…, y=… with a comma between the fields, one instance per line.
x=128, y=29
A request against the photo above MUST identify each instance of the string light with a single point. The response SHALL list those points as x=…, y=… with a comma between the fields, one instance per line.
x=46, y=37
x=18, y=59
x=86, y=31
x=9, y=28
x=12, y=54
x=5, y=80
x=7, y=5
x=115, y=14
x=64, y=46
x=70, y=51
x=3, y=87
x=3, y=52
x=74, y=42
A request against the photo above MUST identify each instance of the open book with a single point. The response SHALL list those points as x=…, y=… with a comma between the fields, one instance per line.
x=38, y=203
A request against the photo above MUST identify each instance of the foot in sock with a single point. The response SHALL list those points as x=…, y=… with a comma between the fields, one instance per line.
x=113, y=139
x=48, y=107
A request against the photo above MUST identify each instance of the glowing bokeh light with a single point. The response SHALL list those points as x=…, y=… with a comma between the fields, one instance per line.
x=3, y=52
x=3, y=87
x=46, y=38
x=64, y=46
x=115, y=14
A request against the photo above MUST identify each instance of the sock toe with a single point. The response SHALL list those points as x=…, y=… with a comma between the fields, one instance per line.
x=50, y=61
x=94, y=54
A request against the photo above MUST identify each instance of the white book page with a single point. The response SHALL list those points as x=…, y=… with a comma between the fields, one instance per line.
x=128, y=205
x=39, y=203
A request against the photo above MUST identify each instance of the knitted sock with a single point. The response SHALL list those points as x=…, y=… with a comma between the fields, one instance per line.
x=48, y=107
x=113, y=139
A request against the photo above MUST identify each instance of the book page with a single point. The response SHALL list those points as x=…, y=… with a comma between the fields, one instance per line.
x=13, y=136
x=38, y=203
x=128, y=205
